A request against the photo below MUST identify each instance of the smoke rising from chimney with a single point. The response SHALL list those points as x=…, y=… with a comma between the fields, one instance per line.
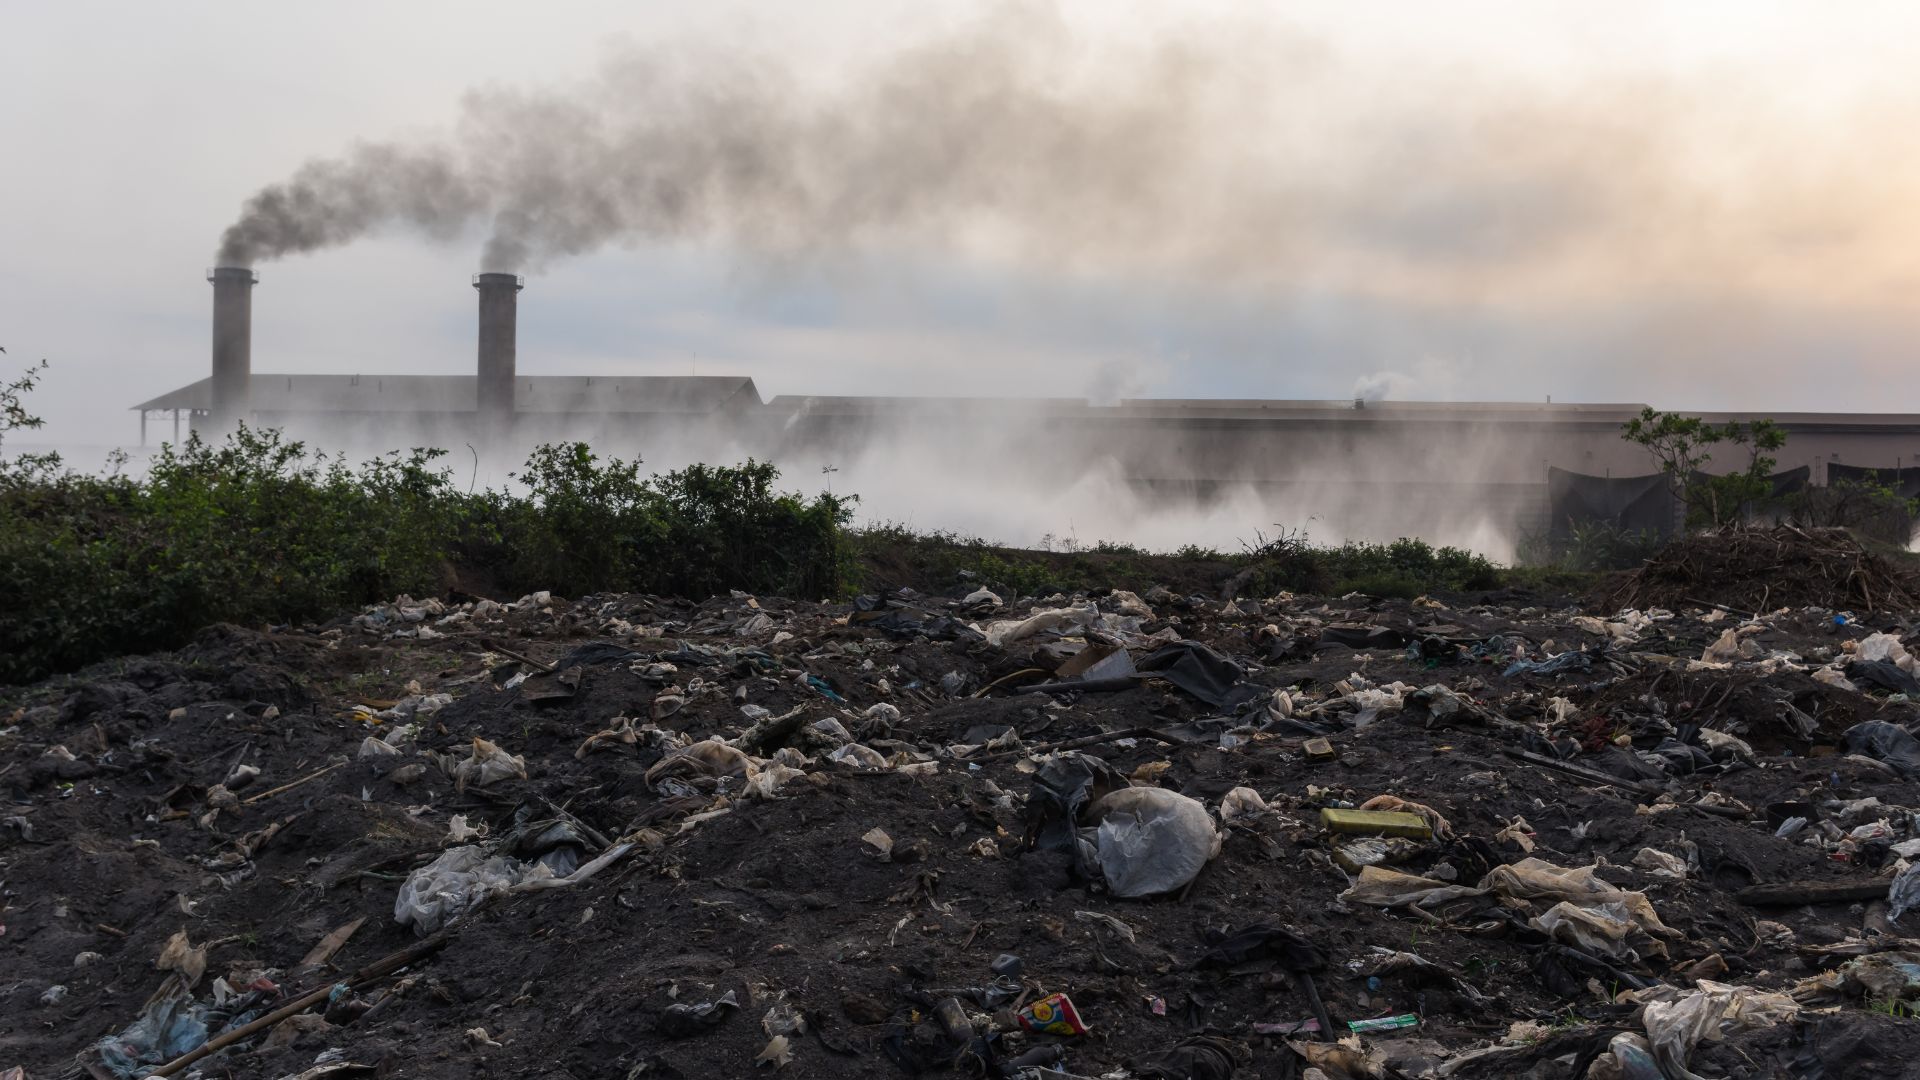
x=1003, y=140
x=1233, y=157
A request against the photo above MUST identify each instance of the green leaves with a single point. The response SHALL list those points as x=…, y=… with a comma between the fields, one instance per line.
x=262, y=529
x=1679, y=447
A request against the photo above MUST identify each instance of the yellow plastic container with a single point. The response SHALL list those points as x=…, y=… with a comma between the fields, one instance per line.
x=1376, y=823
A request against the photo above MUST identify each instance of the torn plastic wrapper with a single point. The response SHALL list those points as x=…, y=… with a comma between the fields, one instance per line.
x=172, y=1024
x=1052, y=1015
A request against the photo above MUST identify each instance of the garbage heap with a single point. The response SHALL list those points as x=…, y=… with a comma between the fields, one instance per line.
x=1096, y=835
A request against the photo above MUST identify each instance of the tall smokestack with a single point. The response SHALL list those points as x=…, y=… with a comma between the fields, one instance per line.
x=232, y=346
x=499, y=304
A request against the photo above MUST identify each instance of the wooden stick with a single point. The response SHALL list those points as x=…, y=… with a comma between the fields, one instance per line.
x=332, y=943
x=1795, y=893
x=1581, y=771
x=383, y=966
x=1077, y=686
x=983, y=691
x=592, y=834
x=271, y=792
x=1319, y=1009
x=511, y=655
x=1722, y=607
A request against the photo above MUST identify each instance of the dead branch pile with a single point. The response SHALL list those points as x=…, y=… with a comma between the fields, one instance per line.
x=1764, y=568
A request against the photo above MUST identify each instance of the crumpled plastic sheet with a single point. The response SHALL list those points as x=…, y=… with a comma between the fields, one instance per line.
x=1574, y=660
x=1438, y=704
x=1258, y=941
x=861, y=756
x=1243, y=806
x=170, y=1026
x=1678, y=1021
x=1602, y=930
x=1370, y=703
x=1537, y=879
x=173, y=1023
x=1202, y=672
x=1063, y=787
x=1904, y=894
x=487, y=764
x=1731, y=646
x=1378, y=886
x=1886, y=647
x=1199, y=1057
x=452, y=885
x=1883, y=674
x=1149, y=840
x=1884, y=741
x=1660, y=863
x=1887, y=975
x=768, y=780
x=708, y=757
x=1831, y=676
x=1067, y=619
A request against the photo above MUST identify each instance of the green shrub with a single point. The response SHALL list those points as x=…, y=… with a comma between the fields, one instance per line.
x=1868, y=507
x=1679, y=448
x=261, y=529
x=1589, y=547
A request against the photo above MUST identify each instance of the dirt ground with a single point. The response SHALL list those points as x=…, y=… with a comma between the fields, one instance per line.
x=133, y=816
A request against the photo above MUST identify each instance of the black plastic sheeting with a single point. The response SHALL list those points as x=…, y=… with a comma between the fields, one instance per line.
x=1904, y=482
x=1262, y=941
x=1886, y=742
x=1202, y=672
x=1064, y=786
x=1639, y=503
x=1882, y=675
x=1198, y=1057
x=1631, y=502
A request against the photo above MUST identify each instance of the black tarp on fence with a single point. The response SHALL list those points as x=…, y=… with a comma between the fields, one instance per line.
x=1637, y=503
x=1904, y=482
x=1631, y=502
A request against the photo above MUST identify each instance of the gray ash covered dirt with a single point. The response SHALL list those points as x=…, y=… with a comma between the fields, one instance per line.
x=120, y=832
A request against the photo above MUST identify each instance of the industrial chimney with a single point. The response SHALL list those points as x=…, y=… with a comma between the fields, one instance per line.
x=494, y=388
x=232, y=346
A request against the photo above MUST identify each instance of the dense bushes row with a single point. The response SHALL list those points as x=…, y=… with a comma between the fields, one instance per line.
x=259, y=529
x=1406, y=568
x=1403, y=568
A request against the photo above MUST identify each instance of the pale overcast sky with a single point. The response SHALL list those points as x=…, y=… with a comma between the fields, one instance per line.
x=1702, y=205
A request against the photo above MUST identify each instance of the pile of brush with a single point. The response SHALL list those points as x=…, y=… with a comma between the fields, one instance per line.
x=1755, y=569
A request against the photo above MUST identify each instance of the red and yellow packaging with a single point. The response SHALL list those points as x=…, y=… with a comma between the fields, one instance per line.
x=1052, y=1015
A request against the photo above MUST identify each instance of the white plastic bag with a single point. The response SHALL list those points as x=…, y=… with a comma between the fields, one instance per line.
x=1148, y=840
x=451, y=885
